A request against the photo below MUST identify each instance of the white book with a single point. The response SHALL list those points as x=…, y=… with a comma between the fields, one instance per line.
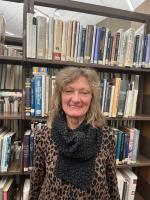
x=132, y=179
x=41, y=37
x=43, y=94
x=47, y=85
x=50, y=37
x=29, y=35
x=26, y=189
x=33, y=39
x=64, y=40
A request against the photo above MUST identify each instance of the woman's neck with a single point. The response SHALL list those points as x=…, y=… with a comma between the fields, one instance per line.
x=73, y=122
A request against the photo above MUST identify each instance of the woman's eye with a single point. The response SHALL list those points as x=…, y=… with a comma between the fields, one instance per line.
x=68, y=91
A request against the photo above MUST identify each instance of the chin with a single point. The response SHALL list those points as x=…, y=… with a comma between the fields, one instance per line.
x=75, y=115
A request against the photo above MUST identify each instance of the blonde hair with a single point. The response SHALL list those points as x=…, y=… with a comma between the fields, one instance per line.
x=94, y=116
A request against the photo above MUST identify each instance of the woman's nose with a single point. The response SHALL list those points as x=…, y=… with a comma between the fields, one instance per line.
x=76, y=97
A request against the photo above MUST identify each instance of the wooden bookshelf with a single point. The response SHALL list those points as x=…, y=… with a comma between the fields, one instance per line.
x=98, y=67
x=11, y=116
x=11, y=60
x=135, y=118
x=14, y=169
x=141, y=162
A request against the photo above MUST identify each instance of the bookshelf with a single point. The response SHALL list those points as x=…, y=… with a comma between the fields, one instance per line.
x=27, y=63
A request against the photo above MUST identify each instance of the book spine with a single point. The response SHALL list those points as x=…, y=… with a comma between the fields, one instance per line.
x=26, y=150
x=32, y=97
x=28, y=96
x=38, y=95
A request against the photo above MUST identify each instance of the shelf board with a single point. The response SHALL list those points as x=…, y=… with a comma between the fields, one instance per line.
x=11, y=116
x=93, y=9
x=107, y=68
x=141, y=162
x=11, y=60
x=36, y=118
x=135, y=118
x=14, y=169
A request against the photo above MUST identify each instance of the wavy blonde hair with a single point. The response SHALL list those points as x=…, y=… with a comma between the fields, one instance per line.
x=94, y=116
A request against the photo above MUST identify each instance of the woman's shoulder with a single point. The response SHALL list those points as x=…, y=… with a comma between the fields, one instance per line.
x=43, y=133
x=108, y=133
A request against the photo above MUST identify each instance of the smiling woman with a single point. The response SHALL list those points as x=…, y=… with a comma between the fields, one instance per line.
x=74, y=156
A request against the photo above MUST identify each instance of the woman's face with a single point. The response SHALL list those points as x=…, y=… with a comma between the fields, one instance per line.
x=76, y=98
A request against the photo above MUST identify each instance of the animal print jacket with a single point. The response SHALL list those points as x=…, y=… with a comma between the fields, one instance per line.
x=46, y=186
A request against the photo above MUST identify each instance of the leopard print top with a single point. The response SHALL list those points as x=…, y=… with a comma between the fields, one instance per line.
x=45, y=185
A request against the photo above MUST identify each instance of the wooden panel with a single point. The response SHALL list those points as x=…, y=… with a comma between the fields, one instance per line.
x=145, y=146
x=146, y=104
x=145, y=129
x=143, y=188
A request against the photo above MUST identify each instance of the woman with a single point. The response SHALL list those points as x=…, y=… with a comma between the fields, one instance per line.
x=74, y=156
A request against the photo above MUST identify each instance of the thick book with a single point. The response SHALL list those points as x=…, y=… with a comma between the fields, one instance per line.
x=58, y=25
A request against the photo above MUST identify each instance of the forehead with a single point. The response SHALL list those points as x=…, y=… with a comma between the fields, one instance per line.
x=80, y=81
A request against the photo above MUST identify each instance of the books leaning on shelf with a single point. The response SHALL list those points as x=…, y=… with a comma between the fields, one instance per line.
x=10, y=76
x=118, y=95
x=10, y=101
x=127, y=182
x=10, y=150
x=127, y=142
x=28, y=145
x=71, y=41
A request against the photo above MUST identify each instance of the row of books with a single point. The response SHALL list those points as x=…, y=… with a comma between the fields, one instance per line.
x=2, y=33
x=127, y=142
x=127, y=182
x=15, y=51
x=10, y=104
x=7, y=188
x=10, y=76
x=39, y=91
x=49, y=38
x=28, y=144
x=118, y=95
x=10, y=149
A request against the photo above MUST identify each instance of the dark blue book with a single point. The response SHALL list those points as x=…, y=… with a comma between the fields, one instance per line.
x=144, y=50
x=97, y=44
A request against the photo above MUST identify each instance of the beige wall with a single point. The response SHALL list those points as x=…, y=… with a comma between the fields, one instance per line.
x=115, y=24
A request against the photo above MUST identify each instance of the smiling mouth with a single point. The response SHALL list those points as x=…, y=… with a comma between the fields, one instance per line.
x=75, y=107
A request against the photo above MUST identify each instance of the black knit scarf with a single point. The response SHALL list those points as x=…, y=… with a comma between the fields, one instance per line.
x=77, y=152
